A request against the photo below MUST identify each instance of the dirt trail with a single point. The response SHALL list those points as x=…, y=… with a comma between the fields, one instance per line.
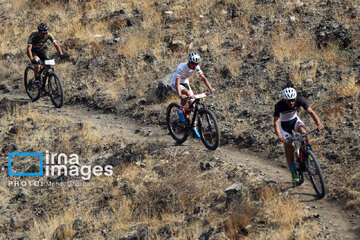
x=336, y=222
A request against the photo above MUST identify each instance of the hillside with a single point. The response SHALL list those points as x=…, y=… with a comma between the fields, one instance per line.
x=117, y=51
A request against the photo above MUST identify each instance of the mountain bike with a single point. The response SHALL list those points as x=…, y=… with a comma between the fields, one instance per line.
x=307, y=161
x=207, y=123
x=47, y=73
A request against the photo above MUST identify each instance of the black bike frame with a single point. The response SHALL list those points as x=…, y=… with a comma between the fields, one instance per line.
x=302, y=149
x=197, y=103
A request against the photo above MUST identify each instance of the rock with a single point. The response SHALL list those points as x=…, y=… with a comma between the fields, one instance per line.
x=223, y=12
x=164, y=86
x=206, y=166
x=139, y=232
x=169, y=13
x=219, y=236
x=235, y=188
x=9, y=147
x=329, y=30
x=16, y=129
x=176, y=45
x=149, y=58
x=33, y=169
x=145, y=131
x=206, y=235
x=21, y=194
x=309, y=81
x=204, y=48
x=307, y=65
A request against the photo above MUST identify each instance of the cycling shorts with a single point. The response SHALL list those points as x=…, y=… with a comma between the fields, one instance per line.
x=286, y=127
x=182, y=87
x=40, y=53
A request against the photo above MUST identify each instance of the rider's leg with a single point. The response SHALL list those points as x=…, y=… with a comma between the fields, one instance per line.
x=300, y=128
x=289, y=151
x=37, y=67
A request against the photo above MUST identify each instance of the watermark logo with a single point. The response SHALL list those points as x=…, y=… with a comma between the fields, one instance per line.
x=33, y=155
x=56, y=164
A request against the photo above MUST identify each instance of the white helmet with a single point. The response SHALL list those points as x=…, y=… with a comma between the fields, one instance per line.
x=194, y=57
x=289, y=93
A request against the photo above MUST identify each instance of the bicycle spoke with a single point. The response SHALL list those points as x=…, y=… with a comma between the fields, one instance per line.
x=177, y=129
x=209, y=130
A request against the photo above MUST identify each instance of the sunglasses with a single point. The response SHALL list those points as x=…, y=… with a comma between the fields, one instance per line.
x=290, y=100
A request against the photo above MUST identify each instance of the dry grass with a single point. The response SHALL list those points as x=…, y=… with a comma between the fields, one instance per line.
x=353, y=190
x=348, y=88
x=40, y=131
x=284, y=216
x=55, y=227
x=133, y=44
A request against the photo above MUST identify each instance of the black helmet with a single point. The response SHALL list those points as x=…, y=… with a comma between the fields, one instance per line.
x=43, y=28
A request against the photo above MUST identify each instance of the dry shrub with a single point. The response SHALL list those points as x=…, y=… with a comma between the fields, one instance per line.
x=134, y=44
x=348, y=88
x=300, y=47
x=173, y=194
x=353, y=190
x=55, y=227
x=284, y=216
x=40, y=132
x=241, y=214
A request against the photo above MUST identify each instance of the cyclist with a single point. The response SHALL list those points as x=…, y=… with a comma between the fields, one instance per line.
x=36, y=50
x=286, y=120
x=180, y=82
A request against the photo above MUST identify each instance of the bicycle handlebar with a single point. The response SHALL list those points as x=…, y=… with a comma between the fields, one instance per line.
x=302, y=137
x=200, y=95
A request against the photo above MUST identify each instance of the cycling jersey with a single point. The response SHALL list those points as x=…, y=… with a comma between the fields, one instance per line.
x=37, y=42
x=286, y=113
x=183, y=73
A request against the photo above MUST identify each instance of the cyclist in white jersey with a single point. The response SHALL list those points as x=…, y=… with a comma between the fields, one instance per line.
x=180, y=82
x=286, y=120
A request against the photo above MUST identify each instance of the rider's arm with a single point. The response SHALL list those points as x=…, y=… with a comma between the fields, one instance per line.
x=207, y=83
x=29, y=53
x=58, y=48
x=315, y=118
x=177, y=84
x=277, y=129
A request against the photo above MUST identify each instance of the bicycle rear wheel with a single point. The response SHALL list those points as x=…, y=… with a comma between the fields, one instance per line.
x=178, y=130
x=32, y=90
x=315, y=174
x=208, y=129
x=55, y=90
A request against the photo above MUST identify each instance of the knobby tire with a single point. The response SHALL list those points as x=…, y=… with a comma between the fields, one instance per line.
x=178, y=130
x=207, y=122
x=56, y=91
x=315, y=173
x=31, y=86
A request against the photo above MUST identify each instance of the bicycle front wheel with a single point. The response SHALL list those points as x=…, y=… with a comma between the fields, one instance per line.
x=32, y=90
x=178, y=130
x=55, y=90
x=208, y=129
x=315, y=174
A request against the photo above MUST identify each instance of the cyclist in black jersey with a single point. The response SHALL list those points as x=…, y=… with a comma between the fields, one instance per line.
x=35, y=47
x=286, y=120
